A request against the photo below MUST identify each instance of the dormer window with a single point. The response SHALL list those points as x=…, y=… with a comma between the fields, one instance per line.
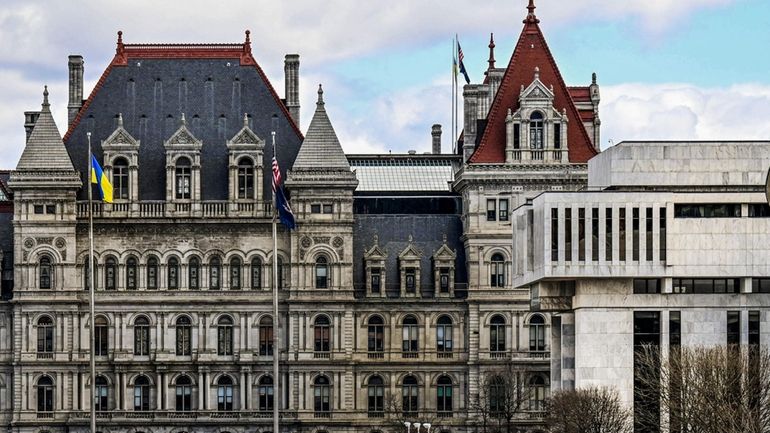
x=120, y=179
x=375, y=282
x=245, y=178
x=443, y=280
x=374, y=261
x=183, y=178
x=444, y=270
x=536, y=130
x=409, y=277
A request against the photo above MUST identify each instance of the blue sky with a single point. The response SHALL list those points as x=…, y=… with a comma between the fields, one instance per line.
x=668, y=69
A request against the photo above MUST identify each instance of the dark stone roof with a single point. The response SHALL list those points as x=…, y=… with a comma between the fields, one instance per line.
x=213, y=93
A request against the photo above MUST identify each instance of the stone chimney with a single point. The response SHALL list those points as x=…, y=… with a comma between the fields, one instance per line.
x=30, y=118
x=76, y=87
x=291, y=82
x=435, y=132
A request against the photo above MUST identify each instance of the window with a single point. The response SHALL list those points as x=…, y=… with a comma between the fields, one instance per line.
x=409, y=394
x=444, y=396
x=444, y=335
x=713, y=210
x=608, y=234
x=662, y=240
x=497, y=397
x=327, y=208
x=581, y=234
x=376, y=394
x=265, y=392
x=516, y=136
x=497, y=334
x=183, y=393
x=152, y=273
x=131, y=273
x=142, y=393
x=733, y=328
x=266, y=336
x=101, y=394
x=646, y=285
x=321, y=273
x=45, y=394
x=183, y=178
x=759, y=210
x=315, y=208
x=375, y=275
x=595, y=234
x=46, y=272
x=503, y=209
x=760, y=285
x=183, y=336
x=538, y=390
x=646, y=334
x=536, y=130
x=45, y=335
x=557, y=135
x=409, y=280
x=622, y=235
x=110, y=273
x=754, y=328
x=235, y=273
x=635, y=234
x=375, y=335
x=225, y=336
x=120, y=179
x=280, y=273
x=443, y=280
x=225, y=393
x=256, y=273
x=674, y=329
x=568, y=234
x=321, y=392
x=410, y=342
x=245, y=178
x=141, y=336
x=706, y=285
x=554, y=235
x=491, y=209
x=497, y=271
x=101, y=338
x=648, y=234
x=173, y=273
x=537, y=333
x=39, y=209
x=193, y=273
x=322, y=334
x=215, y=271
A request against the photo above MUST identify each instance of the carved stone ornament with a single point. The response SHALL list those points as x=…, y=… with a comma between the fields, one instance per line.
x=60, y=243
x=338, y=242
x=29, y=243
x=45, y=241
x=322, y=239
x=306, y=242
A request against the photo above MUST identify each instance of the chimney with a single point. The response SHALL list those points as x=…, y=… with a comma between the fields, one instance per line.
x=76, y=87
x=435, y=132
x=291, y=81
x=30, y=118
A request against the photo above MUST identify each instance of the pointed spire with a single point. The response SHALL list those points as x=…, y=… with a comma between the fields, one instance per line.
x=491, y=60
x=320, y=95
x=321, y=148
x=531, y=17
x=45, y=149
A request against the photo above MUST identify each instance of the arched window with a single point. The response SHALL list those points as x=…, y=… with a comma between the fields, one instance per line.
x=266, y=336
x=173, y=273
x=183, y=178
x=235, y=273
x=410, y=342
x=321, y=273
x=193, y=273
x=536, y=130
x=265, y=392
x=120, y=179
x=497, y=271
x=131, y=273
x=409, y=393
x=321, y=392
x=225, y=393
x=142, y=393
x=101, y=394
x=225, y=336
x=537, y=333
x=45, y=346
x=375, y=337
x=497, y=334
x=45, y=394
x=497, y=397
x=256, y=273
x=141, y=336
x=101, y=338
x=183, y=336
x=322, y=335
x=46, y=272
x=87, y=274
x=444, y=396
x=538, y=393
x=110, y=273
x=245, y=178
x=152, y=273
x=215, y=270
x=444, y=335
x=376, y=394
x=183, y=393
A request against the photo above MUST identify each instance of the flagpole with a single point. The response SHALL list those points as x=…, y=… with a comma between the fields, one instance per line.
x=454, y=100
x=92, y=285
x=457, y=118
x=276, y=353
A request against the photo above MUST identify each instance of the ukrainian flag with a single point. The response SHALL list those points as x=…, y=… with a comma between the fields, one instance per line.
x=98, y=177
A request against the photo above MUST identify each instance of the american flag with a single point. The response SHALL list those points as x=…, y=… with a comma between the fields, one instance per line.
x=460, y=53
x=276, y=174
x=460, y=57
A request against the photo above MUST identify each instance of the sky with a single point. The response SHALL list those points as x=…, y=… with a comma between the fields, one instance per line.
x=668, y=69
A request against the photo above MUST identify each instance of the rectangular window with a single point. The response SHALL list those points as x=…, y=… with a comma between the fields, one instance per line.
x=315, y=208
x=581, y=234
x=733, y=328
x=568, y=234
x=557, y=136
x=759, y=210
x=707, y=210
x=503, y=209
x=754, y=328
x=622, y=235
x=50, y=209
x=516, y=136
x=409, y=280
x=327, y=208
x=646, y=286
x=648, y=234
x=554, y=235
x=662, y=234
x=760, y=285
x=443, y=278
x=375, y=274
x=706, y=285
x=608, y=234
x=674, y=329
x=595, y=234
x=646, y=401
x=491, y=209
x=635, y=234
x=39, y=209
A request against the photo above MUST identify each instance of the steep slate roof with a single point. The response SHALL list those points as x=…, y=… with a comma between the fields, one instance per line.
x=531, y=51
x=212, y=84
x=321, y=148
x=45, y=149
x=404, y=172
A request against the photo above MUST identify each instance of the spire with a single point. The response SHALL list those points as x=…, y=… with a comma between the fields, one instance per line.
x=531, y=17
x=45, y=149
x=491, y=60
x=321, y=149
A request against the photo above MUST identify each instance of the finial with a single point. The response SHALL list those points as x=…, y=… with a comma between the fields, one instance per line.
x=245, y=120
x=182, y=120
x=410, y=238
x=248, y=36
x=320, y=95
x=531, y=17
x=376, y=239
x=45, y=97
x=593, y=78
x=537, y=73
x=120, y=37
x=119, y=49
x=491, y=60
x=120, y=120
x=443, y=236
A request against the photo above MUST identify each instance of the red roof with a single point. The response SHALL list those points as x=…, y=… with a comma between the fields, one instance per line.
x=580, y=94
x=531, y=51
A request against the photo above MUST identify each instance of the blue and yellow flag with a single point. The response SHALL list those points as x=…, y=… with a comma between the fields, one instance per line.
x=98, y=177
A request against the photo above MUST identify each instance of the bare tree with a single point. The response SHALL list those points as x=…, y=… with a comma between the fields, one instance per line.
x=588, y=410
x=396, y=416
x=724, y=389
x=502, y=400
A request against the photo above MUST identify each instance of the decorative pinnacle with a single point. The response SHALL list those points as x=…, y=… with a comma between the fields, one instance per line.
x=248, y=36
x=320, y=95
x=531, y=17
x=120, y=120
x=120, y=37
x=491, y=60
x=182, y=120
x=537, y=73
x=45, y=97
x=593, y=78
x=245, y=119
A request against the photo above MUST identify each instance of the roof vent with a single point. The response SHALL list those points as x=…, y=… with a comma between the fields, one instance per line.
x=412, y=152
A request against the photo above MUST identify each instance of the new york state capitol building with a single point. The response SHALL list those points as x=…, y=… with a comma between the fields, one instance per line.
x=402, y=283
